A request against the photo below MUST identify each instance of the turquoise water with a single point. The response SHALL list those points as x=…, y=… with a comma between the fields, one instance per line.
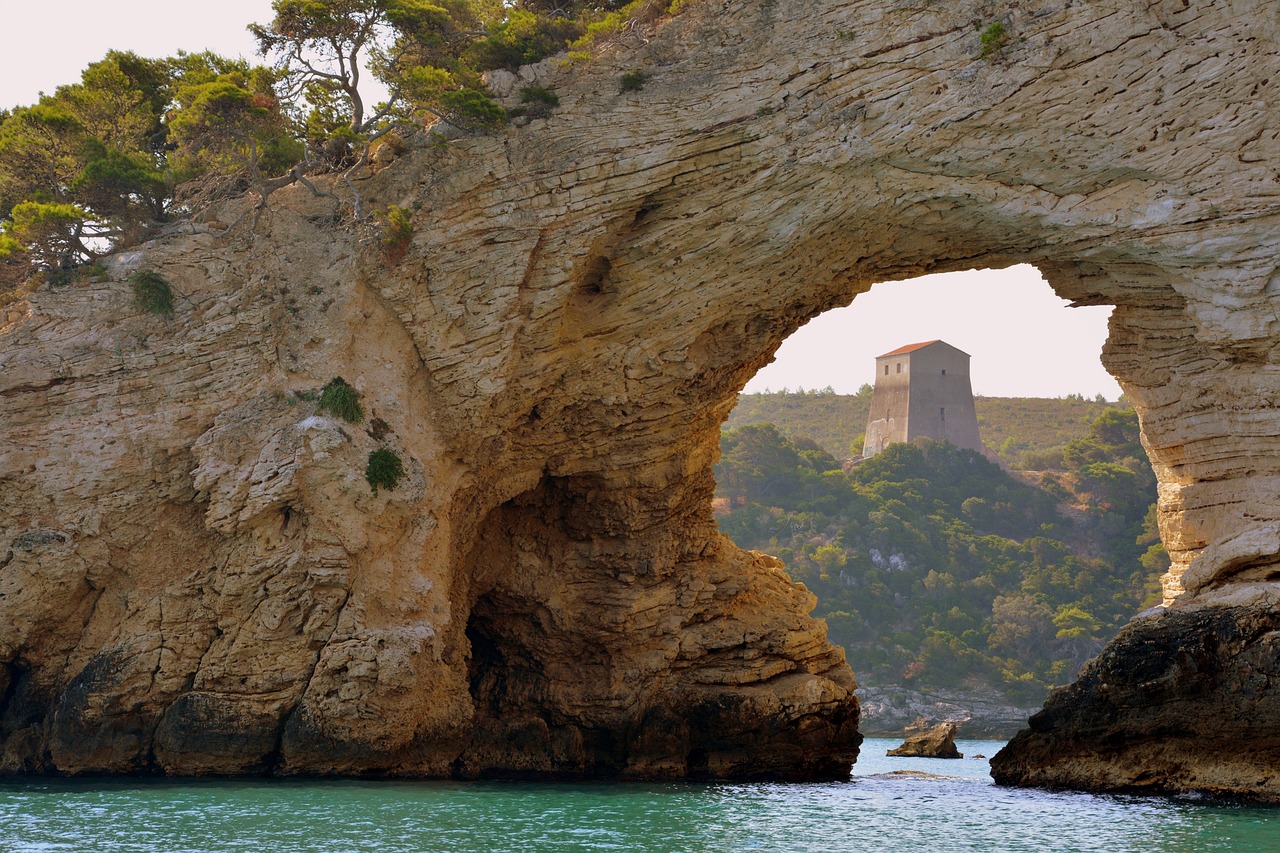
x=874, y=812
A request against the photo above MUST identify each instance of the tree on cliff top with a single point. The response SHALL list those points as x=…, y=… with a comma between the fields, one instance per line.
x=227, y=129
x=430, y=55
x=319, y=47
x=97, y=165
x=82, y=172
x=324, y=42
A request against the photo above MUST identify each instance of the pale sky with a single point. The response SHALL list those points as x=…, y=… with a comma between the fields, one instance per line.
x=50, y=44
x=1023, y=339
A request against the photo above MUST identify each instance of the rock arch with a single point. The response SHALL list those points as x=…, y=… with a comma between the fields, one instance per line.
x=197, y=578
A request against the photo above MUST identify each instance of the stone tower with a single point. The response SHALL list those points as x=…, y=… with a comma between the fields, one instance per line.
x=922, y=390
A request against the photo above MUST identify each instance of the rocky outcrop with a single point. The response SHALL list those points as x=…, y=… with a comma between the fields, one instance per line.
x=938, y=741
x=196, y=578
x=1182, y=700
x=887, y=711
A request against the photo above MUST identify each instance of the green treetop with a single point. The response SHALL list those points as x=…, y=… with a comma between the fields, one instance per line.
x=83, y=170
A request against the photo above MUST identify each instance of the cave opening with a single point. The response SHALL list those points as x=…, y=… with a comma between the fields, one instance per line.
x=975, y=581
x=539, y=670
x=504, y=671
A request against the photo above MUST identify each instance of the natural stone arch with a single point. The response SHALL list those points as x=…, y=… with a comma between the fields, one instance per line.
x=199, y=580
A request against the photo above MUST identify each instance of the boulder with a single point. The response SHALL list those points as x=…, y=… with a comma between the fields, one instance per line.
x=935, y=742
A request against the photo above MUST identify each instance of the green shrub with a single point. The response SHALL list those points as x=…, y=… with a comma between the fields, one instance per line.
x=993, y=38
x=632, y=81
x=522, y=39
x=384, y=469
x=540, y=102
x=9, y=247
x=539, y=95
x=58, y=276
x=397, y=232
x=606, y=28
x=473, y=108
x=1050, y=458
x=399, y=225
x=152, y=293
x=341, y=400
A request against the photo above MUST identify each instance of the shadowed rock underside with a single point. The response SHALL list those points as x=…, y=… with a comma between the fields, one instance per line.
x=195, y=576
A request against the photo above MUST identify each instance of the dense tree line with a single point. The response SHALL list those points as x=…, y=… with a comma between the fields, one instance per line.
x=935, y=567
x=100, y=164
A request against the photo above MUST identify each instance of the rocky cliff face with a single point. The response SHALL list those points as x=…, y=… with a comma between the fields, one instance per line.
x=196, y=578
x=890, y=711
x=1181, y=701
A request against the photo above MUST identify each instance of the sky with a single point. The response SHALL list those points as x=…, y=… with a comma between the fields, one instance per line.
x=1024, y=341
x=48, y=45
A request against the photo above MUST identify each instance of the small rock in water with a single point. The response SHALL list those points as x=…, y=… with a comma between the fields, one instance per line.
x=914, y=774
x=937, y=742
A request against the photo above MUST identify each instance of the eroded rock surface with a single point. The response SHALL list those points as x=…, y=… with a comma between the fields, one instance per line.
x=195, y=577
x=938, y=741
x=886, y=712
x=1183, y=700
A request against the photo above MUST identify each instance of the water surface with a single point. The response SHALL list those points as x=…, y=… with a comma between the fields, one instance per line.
x=880, y=810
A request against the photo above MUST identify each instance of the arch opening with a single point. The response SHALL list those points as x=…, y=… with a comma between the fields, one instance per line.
x=969, y=578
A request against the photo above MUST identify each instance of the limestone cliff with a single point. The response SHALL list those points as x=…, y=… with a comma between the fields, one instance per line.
x=196, y=578
x=1185, y=700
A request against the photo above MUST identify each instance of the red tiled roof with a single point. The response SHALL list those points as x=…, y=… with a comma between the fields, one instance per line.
x=910, y=348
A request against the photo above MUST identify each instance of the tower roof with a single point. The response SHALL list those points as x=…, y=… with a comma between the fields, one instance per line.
x=909, y=348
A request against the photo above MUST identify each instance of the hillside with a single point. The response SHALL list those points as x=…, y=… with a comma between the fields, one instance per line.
x=1010, y=426
x=833, y=420
x=936, y=569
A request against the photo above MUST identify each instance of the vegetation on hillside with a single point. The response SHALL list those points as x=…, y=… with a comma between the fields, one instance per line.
x=101, y=164
x=835, y=421
x=1031, y=432
x=936, y=568
x=1026, y=432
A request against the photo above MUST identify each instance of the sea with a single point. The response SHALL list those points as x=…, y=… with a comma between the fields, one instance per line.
x=891, y=804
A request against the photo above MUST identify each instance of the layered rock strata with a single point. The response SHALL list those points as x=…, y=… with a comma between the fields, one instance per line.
x=937, y=741
x=1180, y=701
x=196, y=578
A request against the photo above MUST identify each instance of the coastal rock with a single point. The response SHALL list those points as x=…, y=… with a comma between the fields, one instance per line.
x=887, y=711
x=938, y=741
x=1182, y=700
x=195, y=576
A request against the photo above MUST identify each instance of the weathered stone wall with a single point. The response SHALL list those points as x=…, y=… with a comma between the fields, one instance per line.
x=195, y=577
x=942, y=398
x=889, y=416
